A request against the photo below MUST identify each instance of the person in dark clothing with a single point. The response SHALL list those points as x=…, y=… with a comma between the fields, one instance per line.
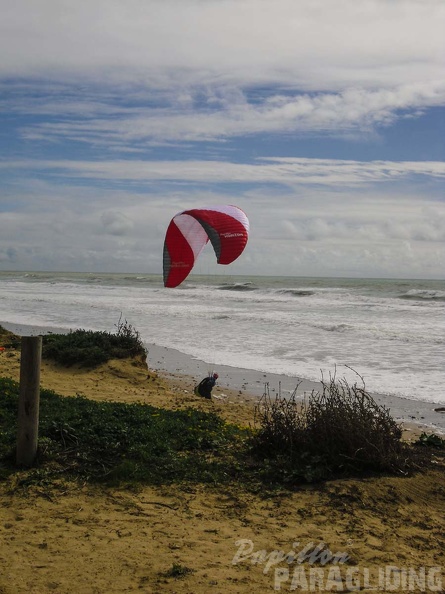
x=204, y=388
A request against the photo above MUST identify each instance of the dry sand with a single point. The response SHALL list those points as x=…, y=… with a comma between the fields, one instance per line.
x=76, y=539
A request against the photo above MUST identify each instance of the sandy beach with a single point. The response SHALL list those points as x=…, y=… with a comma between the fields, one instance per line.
x=76, y=538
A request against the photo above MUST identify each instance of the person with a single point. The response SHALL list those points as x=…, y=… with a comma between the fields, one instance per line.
x=205, y=386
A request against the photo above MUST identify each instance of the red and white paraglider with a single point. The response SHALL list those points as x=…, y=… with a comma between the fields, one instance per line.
x=227, y=228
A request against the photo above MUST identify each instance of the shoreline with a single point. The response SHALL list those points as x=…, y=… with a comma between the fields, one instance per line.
x=170, y=362
x=417, y=413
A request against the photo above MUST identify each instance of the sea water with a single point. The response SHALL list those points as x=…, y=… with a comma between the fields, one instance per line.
x=389, y=332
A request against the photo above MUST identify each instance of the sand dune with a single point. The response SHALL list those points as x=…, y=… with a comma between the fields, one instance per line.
x=73, y=538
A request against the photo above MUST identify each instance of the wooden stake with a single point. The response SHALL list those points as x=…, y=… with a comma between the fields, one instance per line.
x=29, y=399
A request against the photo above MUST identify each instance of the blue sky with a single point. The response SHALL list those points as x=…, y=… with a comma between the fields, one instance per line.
x=324, y=121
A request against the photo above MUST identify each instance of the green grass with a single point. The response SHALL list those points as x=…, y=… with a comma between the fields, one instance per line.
x=8, y=340
x=118, y=444
x=114, y=442
x=431, y=440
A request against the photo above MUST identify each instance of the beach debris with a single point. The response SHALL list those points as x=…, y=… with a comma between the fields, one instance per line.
x=220, y=396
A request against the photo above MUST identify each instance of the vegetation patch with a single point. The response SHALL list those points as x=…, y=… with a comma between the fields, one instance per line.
x=90, y=349
x=119, y=443
x=8, y=340
x=338, y=431
x=177, y=571
x=116, y=442
x=431, y=440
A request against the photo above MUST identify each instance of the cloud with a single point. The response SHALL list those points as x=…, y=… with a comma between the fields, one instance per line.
x=316, y=44
x=274, y=170
x=116, y=223
x=368, y=230
x=8, y=255
x=149, y=72
x=106, y=122
x=360, y=229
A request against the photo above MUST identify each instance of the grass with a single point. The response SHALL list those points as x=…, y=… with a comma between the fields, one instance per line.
x=8, y=340
x=114, y=442
x=431, y=440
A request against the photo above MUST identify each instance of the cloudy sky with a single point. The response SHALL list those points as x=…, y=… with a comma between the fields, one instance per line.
x=323, y=119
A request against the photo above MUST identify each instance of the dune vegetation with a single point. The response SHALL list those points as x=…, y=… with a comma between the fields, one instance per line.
x=338, y=432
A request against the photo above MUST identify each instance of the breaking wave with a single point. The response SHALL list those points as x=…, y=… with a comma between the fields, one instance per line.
x=238, y=287
x=297, y=292
x=424, y=295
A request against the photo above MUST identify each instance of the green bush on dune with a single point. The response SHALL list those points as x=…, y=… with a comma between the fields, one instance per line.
x=90, y=349
x=8, y=340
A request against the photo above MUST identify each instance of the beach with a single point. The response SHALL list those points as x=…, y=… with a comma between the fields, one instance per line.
x=415, y=414
x=420, y=415
x=259, y=330
x=74, y=538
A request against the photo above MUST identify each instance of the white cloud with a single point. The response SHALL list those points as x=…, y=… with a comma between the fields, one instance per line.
x=361, y=228
x=371, y=230
x=105, y=122
x=116, y=223
x=277, y=170
x=191, y=70
x=317, y=44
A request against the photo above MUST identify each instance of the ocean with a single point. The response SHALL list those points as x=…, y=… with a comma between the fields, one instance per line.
x=389, y=332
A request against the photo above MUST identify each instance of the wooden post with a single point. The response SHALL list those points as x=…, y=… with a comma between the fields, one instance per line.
x=29, y=399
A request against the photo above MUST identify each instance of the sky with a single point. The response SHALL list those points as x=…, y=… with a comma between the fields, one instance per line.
x=324, y=120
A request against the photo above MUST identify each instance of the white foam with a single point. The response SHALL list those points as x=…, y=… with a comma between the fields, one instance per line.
x=395, y=344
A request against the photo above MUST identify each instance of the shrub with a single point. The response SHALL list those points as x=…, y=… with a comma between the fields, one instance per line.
x=90, y=349
x=177, y=571
x=8, y=340
x=431, y=440
x=340, y=429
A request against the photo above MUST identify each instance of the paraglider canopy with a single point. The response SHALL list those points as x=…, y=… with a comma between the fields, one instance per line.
x=227, y=228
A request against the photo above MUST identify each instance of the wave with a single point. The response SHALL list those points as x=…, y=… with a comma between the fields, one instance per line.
x=296, y=292
x=424, y=295
x=238, y=287
x=337, y=328
x=38, y=276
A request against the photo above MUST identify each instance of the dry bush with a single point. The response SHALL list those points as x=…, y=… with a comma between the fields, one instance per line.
x=340, y=429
